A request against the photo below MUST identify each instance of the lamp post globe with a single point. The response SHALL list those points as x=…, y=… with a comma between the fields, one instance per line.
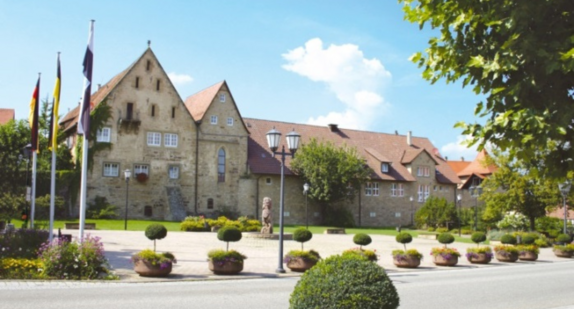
x=459, y=202
x=411, y=198
x=273, y=138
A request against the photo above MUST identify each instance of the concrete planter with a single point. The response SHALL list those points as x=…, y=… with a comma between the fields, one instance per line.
x=146, y=269
x=528, y=256
x=225, y=268
x=439, y=260
x=503, y=256
x=563, y=254
x=406, y=261
x=298, y=264
x=479, y=258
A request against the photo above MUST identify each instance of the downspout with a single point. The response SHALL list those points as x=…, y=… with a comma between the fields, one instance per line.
x=197, y=124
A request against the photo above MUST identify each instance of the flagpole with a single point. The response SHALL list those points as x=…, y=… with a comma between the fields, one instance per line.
x=33, y=198
x=54, y=144
x=84, y=126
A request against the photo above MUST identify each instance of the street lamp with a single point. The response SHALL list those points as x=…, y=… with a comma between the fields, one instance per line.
x=564, y=190
x=273, y=138
x=306, y=191
x=459, y=201
x=412, y=211
x=127, y=174
x=475, y=191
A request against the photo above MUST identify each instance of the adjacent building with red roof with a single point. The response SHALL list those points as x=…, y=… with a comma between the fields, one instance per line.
x=6, y=114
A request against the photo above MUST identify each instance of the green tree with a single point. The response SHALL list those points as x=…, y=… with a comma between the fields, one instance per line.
x=334, y=173
x=520, y=56
x=436, y=212
x=512, y=188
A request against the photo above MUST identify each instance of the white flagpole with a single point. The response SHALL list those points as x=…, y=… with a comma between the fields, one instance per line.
x=83, y=186
x=52, y=192
x=33, y=197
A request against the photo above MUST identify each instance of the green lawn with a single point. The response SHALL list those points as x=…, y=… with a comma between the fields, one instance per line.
x=140, y=225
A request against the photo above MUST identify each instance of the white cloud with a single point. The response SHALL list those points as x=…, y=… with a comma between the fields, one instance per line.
x=455, y=150
x=355, y=80
x=179, y=79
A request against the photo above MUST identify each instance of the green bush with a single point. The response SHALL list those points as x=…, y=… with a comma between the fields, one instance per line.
x=345, y=282
x=445, y=238
x=302, y=235
x=442, y=230
x=466, y=231
x=528, y=239
x=553, y=233
x=563, y=239
x=310, y=255
x=495, y=235
x=369, y=255
x=221, y=256
x=508, y=239
x=162, y=259
x=362, y=239
x=154, y=232
x=22, y=243
x=229, y=233
x=101, y=209
x=11, y=268
x=339, y=217
x=478, y=237
x=404, y=238
x=430, y=229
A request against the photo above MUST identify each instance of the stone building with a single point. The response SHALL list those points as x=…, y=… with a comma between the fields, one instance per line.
x=200, y=156
x=471, y=174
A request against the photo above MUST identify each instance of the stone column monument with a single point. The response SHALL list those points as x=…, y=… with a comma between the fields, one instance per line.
x=267, y=217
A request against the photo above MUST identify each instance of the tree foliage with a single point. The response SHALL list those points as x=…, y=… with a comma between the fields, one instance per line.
x=520, y=56
x=513, y=189
x=334, y=173
x=436, y=212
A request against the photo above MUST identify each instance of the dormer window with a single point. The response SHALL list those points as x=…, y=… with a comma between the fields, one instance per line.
x=222, y=97
x=385, y=167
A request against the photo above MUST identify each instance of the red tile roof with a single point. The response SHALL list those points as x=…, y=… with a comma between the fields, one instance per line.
x=478, y=166
x=6, y=114
x=458, y=166
x=374, y=147
x=559, y=213
x=197, y=104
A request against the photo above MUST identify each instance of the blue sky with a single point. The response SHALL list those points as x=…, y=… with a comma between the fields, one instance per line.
x=315, y=62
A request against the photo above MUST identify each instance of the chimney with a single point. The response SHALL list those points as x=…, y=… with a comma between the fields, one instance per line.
x=396, y=132
x=446, y=158
x=333, y=127
x=462, y=159
x=99, y=86
x=409, y=137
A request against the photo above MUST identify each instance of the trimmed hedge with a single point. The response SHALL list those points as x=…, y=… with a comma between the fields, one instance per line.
x=508, y=239
x=362, y=239
x=478, y=237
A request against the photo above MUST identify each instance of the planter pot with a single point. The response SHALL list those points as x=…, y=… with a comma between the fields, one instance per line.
x=439, y=260
x=528, y=256
x=146, y=269
x=479, y=258
x=564, y=254
x=407, y=261
x=298, y=264
x=225, y=268
x=503, y=256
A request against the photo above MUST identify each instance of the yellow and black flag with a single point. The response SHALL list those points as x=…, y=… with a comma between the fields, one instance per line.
x=53, y=137
x=33, y=118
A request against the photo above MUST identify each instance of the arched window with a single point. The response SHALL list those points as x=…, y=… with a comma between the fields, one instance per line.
x=209, y=203
x=221, y=165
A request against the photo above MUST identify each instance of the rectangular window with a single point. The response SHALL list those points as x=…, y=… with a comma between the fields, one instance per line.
x=130, y=111
x=141, y=168
x=137, y=82
x=222, y=97
x=148, y=65
x=213, y=119
x=372, y=214
x=397, y=214
x=104, y=135
x=268, y=180
x=111, y=170
x=401, y=190
x=427, y=192
x=157, y=84
x=376, y=189
x=419, y=171
x=153, y=110
x=427, y=171
x=385, y=167
x=170, y=140
x=368, y=189
x=393, y=189
x=153, y=139
x=173, y=112
x=173, y=171
x=229, y=121
x=421, y=194
x=209, y=203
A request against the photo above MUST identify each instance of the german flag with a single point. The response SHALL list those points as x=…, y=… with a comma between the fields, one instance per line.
x=33, y=118
x=53, y=137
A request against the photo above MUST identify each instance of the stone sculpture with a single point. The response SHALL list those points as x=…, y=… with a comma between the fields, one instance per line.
x=266, y=217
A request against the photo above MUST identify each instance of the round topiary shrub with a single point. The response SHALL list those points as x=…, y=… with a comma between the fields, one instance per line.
x=508, y=239
x=345, y=282
x=563, y=238
x=445, y=238
x=362, y=239
x=478, y=237
x=404, y=238
x=302, y=235
x=154, y=232
x=229, y=233
x=528, y=239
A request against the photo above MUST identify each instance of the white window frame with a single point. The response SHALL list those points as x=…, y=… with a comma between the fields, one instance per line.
x=421, y=194
x=222, y=97
x=393, y=189
x=104, y=135
x=268, y=181
x=141, y=168
x=368, y=189
x=154, y=139
x=401, y=189
x=230, y=121
x=170, y=139
x=213, y=119
x=111, y=170
x=376, y=189
x=426, y=170
x=385, y=167
x=427, y=192
x=173, y=172
x=419, y=171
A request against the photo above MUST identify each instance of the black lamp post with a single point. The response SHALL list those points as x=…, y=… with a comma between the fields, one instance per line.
x=564, y=190
x=475, y=191
x=273, y=138
x=127, y=174
x=459, y=201
x=412, y=211
x=306, y=191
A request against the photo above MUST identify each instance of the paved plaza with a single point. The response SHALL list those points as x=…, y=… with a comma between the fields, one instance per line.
x=190, y=249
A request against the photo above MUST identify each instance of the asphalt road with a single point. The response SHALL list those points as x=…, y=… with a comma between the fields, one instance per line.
x=537, y=285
